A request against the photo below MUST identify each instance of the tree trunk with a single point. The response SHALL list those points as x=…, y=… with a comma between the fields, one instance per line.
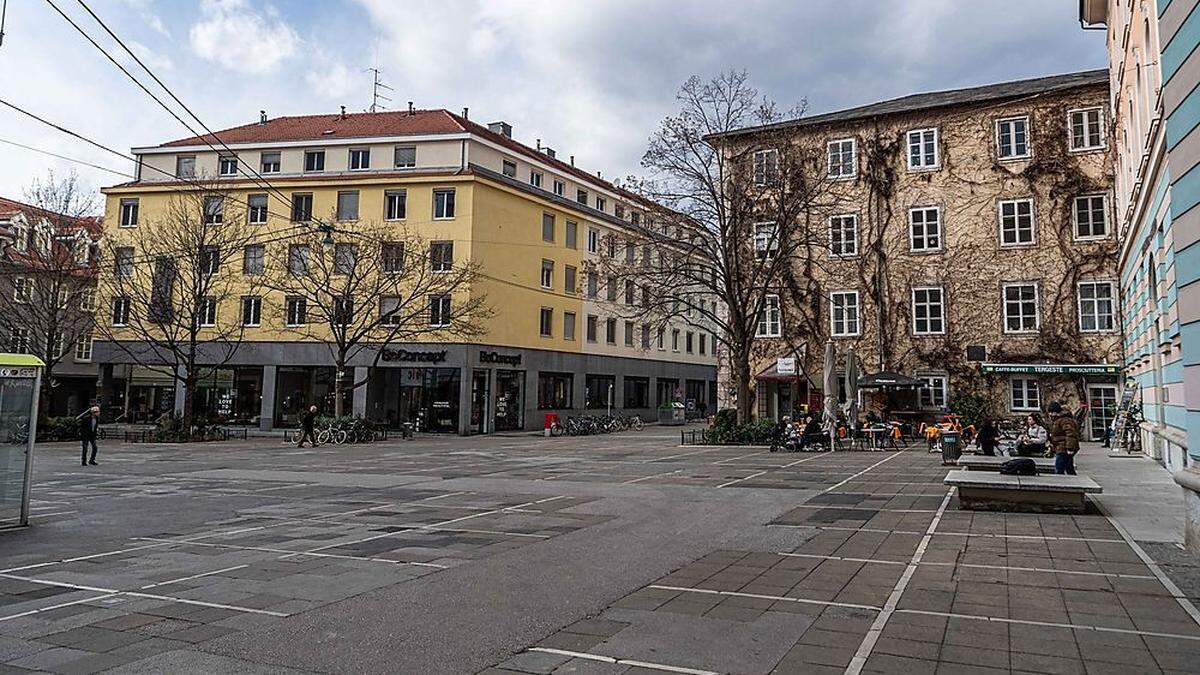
x=189, y=394
x=339, y=368
x=44, y=393
x=745, y=391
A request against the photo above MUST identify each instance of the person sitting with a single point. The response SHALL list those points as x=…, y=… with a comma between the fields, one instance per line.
x=989, y=437
x=812, y=432
x=1033, y=442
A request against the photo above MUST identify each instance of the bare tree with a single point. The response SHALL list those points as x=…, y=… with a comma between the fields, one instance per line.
x=364, y=289
x=47, y=300
x=174, y=284
x=738, y=215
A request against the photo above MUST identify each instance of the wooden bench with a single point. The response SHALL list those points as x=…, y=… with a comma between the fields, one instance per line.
x=993, y=491
x=988, y=463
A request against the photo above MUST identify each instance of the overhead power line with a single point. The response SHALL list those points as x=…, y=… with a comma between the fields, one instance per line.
x=64, y=157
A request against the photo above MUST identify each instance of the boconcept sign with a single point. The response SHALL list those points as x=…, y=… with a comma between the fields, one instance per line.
x=497, y=357
x=405, y=355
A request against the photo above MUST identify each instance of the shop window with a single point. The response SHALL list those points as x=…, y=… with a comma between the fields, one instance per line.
x=555, y=391
x=637, y=392
x=599, y=391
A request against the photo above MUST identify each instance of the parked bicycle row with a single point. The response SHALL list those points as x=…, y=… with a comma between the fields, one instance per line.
x=586, y=425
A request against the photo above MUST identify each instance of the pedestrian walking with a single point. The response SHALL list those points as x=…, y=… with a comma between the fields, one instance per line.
x=89, y=429
x=1064, y=439
x=989, y=437
x=307, y=423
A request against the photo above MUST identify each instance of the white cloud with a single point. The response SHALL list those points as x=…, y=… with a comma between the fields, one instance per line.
x=157, y=62
x=234, y=35
x=332, y=79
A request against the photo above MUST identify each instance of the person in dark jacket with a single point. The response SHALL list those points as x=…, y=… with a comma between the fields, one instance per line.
x=307, y=423
x=1064, y=439
x=89, y=429
x=989, y=437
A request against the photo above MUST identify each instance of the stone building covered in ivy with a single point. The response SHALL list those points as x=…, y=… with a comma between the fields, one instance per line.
x=967, y=240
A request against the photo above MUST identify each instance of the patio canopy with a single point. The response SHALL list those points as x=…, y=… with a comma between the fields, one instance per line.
x=771, y=374
x=889, y=380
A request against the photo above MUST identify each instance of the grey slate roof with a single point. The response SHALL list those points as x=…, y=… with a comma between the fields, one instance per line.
x=939, y=99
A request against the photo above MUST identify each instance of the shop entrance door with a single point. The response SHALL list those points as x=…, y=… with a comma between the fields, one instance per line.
x=509, y=402
x=1102, y=407
x=479, y=401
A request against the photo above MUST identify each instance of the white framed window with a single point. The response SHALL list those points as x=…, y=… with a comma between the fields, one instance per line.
x=206, y=312
x=843, y=161
x=546, y=322
x=256, y=209
x=19, y=340
x=766, y=240
x=1090, y=215
x=254, y=259
x=766, y=166
x=536, y=178
x=560, y=188
x=87, y=300
x=269, y=162
x=441, y=256
x=843, y=313
x=439, y=311
x=1024, y=394
x=129, y=212
x=1086, y=126
x=601, y=203
x=395, y=204
x=227, y=166
x=933, y=395
x=1097, y=300
x=1012, y=138
x=925, y=229
x=214, y=209
x=185, y=166
x=1016, y=222
x=509, y=168
x=297, y=311
x=251, y=310
x=314, y=160
x=347, y=205
x=443, y=204
x=22, y=289
x=120, y=311
x=843, y=235
x=83, y=348
x=581, y=196
x=770, y=319
x=547, y=274
x=210, y=259
x=593, y=242
x=548, y=227
x=923, y=149
x=391, y=255
x=1021, y=313
x=123, y=261
x=929, y=310
x=360, y=159
x=405, y=156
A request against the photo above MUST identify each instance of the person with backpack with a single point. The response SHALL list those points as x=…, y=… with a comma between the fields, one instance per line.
x=1064, y=439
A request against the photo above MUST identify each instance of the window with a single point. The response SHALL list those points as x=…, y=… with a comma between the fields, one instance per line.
x=843, y=313
x=674, y=339
x=1096, y=301
x=22, y=289
x=535, y=178
x=509, y=168
x=214, y=209
x=925, y=229
x=599, y=391
x=637, y=392
x=842, y=162
x=443, y=204
x=123, y=262
x=581, y=196
x=766, y=166
x=347, y=205
x=546, y=322
x=569, y=279
x=1021, y=308
x=690, y=342
x=601, y=203
x=560, y=188
x=297, y=310
x=548, y=227
x=568, y=325
x=843, y=235
x=405, y=156
x=83, y=348
x=629, y=334
x=593, y=243
x=1087, y=129
x=592, y=328
x=1091, y=218
x=345, y=258
x=129, y=212
x=770, y=318
x=19, y=340
x=254, y=259
x=343, y=311
x=298, y=259
x=933, y=394
x=87, y=300
x=392, y=256
x=395, y=204
x=547, y=274
x=206, y=312
x=554, y=391
x=389, y=307
x=1016, y=222
x=593, y=284
x=703, y=344
x=630, y=292
x=439, y=311
x=662, y=345
x=610, y=331
x=302, y=207
x=572, y=234
x=619, y=210
x=251, y=310
x=766, y=240
x=269, y=162
x=645, y=336
x=441, y=255
x=923, y=149
x=120, y=311
x=1012, y=139
x=360, y=159
x=611, y=289
x=929, y=311
x=227, y=166
x=256, y=209
x=1024, y=394
x=314, y=160
x=185, y=166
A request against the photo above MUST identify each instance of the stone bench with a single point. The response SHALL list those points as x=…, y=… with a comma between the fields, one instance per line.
x=987, y=463
x=993, y=491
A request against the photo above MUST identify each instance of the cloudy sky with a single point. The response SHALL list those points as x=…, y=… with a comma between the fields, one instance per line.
x=589, y=77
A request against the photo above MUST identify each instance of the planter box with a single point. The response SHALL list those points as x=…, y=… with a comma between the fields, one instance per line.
x=674, y=417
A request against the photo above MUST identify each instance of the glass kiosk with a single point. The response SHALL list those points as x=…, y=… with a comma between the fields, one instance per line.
x=20, y=380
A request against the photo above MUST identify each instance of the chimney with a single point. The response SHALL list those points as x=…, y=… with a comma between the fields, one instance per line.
x=548, y=150
x=262, y=116
x=410, y=108
x=465, y=111
x=539, y=145
x=343, y=112
x=599, y=176
x=572, y=160
x=503, y=128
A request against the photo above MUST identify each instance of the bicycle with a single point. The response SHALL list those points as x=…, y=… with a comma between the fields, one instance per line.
x=331, y=433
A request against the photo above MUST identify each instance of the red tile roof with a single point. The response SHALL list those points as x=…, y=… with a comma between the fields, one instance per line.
x=93, y=224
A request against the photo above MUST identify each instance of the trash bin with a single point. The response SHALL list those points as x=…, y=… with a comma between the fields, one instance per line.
x=550, y=423
x=951, y=446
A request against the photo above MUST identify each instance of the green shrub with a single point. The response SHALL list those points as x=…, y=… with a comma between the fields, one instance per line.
x=64, y=428
x=971, y=409
x=726, y=431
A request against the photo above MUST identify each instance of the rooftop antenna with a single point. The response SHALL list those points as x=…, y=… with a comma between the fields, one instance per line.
x=376, y=86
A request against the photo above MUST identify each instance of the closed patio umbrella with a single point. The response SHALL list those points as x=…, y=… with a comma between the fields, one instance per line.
x=830, y=384
x=851, y=386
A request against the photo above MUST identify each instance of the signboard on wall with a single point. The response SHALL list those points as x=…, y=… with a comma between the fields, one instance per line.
x=404, y=355
x=786, y=365
x=1052, y=368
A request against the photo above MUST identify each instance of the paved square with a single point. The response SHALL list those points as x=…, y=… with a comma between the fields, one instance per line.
x=614, y=554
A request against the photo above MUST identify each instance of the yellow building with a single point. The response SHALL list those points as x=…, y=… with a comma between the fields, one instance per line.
x=559, y=340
